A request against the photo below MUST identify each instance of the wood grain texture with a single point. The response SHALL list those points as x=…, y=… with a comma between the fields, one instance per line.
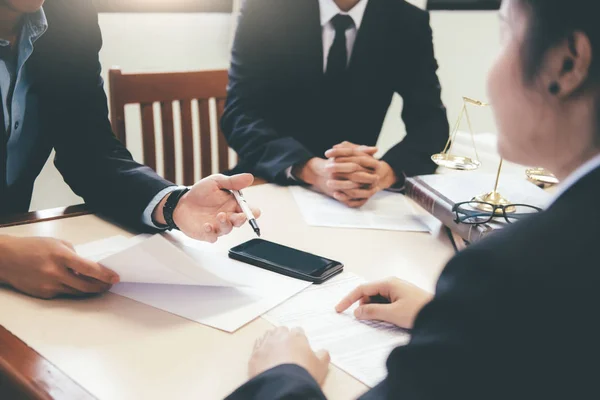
x=149, y=137
x=44, y=215
x=223, y=147
x=205, y=139
x=167, y=88
x=168, y=139
x=187, y=142
x=24, y=374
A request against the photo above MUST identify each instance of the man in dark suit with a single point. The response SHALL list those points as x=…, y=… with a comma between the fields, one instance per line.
x=314, y=78
x=52, y=96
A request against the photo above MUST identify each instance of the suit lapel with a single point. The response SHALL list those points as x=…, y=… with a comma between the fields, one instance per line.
x=370, y=38
x=308, y=17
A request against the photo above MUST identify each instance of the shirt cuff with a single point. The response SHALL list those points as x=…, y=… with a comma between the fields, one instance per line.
x=399, y=186
x=147, y=215
x=290, y=176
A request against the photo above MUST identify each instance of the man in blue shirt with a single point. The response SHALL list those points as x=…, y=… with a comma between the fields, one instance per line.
x=52, y=97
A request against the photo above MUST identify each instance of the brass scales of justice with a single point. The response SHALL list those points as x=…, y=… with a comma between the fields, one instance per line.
x=463, y=163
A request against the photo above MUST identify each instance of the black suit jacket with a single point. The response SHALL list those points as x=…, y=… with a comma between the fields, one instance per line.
x=514, y=317
x=280, y=111
x=65, y=73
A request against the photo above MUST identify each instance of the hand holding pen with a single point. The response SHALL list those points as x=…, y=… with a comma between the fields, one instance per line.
x=210, y=210
x=246, y=210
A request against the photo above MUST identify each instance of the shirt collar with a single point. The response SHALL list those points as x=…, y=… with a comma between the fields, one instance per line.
x=34, y=25
x=579, y=174
x=329, y=10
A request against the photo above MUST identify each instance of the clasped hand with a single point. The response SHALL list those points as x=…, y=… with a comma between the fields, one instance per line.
x=350, y=174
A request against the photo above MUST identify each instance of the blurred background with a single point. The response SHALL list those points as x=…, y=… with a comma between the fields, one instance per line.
x=188, y=35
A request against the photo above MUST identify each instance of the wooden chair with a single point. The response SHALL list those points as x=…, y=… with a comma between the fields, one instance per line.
x=165, y=89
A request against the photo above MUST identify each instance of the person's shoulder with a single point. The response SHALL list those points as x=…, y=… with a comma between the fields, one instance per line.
x=404, y=9
x=401, y=17
x=270, y=7
x=547, y=245
x=71, y=12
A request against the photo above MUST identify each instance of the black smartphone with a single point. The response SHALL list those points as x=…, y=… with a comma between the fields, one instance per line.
x=286, y=261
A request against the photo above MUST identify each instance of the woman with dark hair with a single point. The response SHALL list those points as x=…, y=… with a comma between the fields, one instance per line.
x=515, y=316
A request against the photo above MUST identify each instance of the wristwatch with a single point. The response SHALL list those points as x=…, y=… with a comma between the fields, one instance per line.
x=170, y=205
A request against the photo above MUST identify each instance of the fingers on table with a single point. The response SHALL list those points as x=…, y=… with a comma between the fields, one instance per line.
x=364, y=291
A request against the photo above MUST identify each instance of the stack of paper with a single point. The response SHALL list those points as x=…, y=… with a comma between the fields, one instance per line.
x=384, y=211
x=191, y=279
x=360, y=348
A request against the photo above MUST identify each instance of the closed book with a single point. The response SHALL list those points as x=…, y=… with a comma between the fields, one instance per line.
x=440, y=207
x=438, y=194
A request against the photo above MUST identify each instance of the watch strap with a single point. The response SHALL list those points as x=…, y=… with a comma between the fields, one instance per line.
x=170, y=206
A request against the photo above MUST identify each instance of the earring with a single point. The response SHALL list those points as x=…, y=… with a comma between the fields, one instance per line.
x=554, y=88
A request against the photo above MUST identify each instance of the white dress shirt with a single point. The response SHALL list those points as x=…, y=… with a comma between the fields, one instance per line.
x=328, y=10
x=576, y=176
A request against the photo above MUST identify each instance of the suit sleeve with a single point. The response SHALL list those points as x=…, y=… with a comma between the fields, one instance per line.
x=455, y=336
x=285, y=382
x=92, y=161
x=424, y=114
x=264, y=149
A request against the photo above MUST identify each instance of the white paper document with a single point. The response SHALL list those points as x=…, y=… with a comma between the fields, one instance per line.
x=360, y=348
x=152, y=259
x=384, y=211
x=191, y=279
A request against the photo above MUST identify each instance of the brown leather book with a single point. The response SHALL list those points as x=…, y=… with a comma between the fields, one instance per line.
x=440, y=207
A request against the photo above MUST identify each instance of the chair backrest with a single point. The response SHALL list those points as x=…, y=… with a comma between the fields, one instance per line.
x=165, y=89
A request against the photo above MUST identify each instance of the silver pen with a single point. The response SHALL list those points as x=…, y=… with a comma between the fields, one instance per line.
x=246, y=210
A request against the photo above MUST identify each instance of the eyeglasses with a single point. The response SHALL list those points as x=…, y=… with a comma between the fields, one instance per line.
x=477, y=212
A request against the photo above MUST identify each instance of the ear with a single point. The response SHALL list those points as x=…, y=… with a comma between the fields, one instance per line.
x=568, y=65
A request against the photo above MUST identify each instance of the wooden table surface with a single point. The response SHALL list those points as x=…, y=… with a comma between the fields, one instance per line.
x=113, y=348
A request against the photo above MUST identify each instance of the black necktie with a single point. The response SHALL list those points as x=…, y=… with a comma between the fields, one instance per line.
x=337, y=61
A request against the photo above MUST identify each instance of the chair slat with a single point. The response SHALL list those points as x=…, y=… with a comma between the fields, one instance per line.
x=187, y=141
x=205, y=138
x=165, y=88
x=223, y=146
x=148, y=135
x=168, y=133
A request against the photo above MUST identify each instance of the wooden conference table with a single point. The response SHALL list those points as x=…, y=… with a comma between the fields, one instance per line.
x=114, y=348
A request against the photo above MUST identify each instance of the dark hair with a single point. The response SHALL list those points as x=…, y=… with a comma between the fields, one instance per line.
x=553, y=21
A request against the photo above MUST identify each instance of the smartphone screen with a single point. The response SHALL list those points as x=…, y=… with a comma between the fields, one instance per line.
x=305, y=263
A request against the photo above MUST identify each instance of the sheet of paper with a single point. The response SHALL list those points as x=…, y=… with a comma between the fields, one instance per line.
x=251, y=292
x=357, y=347
x=153, y=260
x=385, y=211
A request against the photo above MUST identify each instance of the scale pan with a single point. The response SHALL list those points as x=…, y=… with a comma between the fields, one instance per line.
x=542, y=176
x=455, y=162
